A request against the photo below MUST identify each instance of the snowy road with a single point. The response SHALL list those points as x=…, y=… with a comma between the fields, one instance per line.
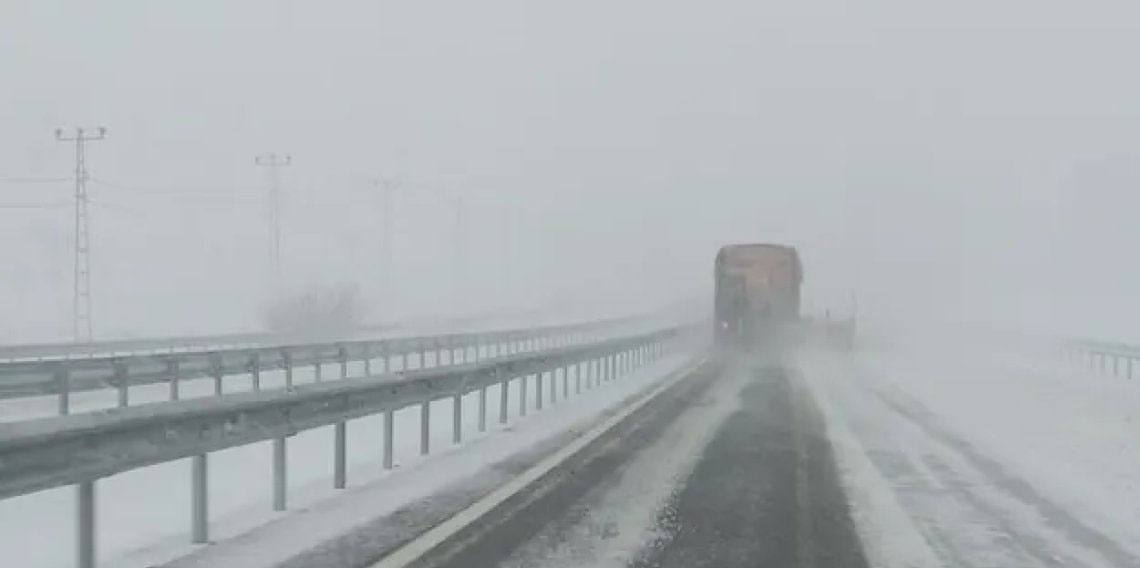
x=838, y=460
x=722, y=470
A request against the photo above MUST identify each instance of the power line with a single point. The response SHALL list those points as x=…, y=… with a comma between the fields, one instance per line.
x=117, y=208
x=15, y=180
x=173, y=190
x=81, y=298
x=33, y=205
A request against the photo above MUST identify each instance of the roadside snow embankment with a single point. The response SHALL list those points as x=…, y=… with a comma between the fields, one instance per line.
x=1072, y=435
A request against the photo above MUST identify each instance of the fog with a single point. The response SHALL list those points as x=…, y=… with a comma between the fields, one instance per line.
x=971, y=161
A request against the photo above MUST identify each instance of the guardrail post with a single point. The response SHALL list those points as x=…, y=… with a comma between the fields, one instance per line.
x=122, y=380
x=389, y=437
x=287, y=362
x=279, y=474
x=423, y=359
x=457, y=418
x=425, y=427
x=504, y=389
x=385, y=355
x=85, y=524
x=522, y=394
x=340, y=460
x=173, y=369
x=368, y=359
x=538, y=390
x=483, y=408
x=566, y=382
x=342, y=356
x=553, y=385
x=63, y=384
x=216, y=371
x=255, y=371
x=317, y=371
x=404, y=360
x=199, y=500
x=578, y=378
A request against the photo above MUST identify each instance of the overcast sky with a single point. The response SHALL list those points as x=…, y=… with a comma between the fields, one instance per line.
x=971, y=160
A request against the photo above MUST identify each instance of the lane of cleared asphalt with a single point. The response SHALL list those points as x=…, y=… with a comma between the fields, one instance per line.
x=764, y=490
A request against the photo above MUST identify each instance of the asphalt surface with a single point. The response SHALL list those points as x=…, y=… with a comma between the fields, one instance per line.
x=762, y=490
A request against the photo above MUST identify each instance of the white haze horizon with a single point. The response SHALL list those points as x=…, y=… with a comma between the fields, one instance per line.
x=968, y=162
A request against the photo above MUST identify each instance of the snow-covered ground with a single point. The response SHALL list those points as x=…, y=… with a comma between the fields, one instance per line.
x=143, y=515
x=966, y=457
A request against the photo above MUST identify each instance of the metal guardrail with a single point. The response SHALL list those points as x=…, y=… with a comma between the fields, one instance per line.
x=1107, y=358
x=66, y=376
x=82, y=448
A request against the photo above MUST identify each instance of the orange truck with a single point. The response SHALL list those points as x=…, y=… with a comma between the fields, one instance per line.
x=758, y=301
x=757, y=290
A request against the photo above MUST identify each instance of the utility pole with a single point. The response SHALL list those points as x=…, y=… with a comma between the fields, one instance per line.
x=459, y=264
x=273, y=164
x=387, y=188
x=81, y=297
